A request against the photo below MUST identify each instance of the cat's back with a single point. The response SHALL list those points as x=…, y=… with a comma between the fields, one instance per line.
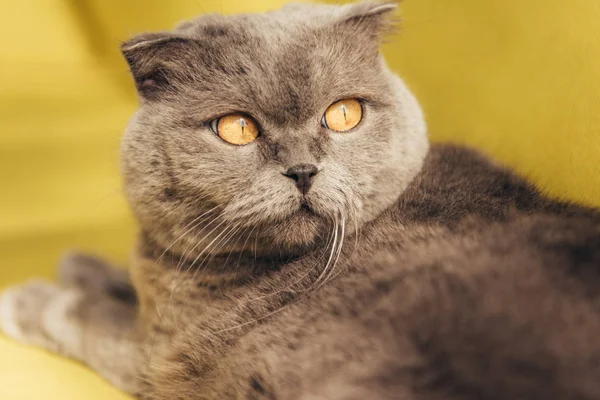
x=506, y=313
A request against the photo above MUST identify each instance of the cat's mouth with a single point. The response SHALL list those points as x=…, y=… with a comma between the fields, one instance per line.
x=304, y=212
x=306, y=209
x=297, y=230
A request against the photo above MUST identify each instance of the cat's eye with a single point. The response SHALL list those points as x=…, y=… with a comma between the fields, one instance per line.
x=343, y=115
x=238, y=129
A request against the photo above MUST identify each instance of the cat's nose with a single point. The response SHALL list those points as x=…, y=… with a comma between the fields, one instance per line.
x=303, y=175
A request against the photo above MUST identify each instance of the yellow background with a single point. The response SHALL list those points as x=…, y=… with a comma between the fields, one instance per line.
x=518, y=78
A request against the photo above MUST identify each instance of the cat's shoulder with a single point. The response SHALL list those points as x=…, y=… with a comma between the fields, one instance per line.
x=457, y=182
x=453, y=165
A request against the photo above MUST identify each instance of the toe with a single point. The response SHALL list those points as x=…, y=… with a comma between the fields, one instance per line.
x=21, y=310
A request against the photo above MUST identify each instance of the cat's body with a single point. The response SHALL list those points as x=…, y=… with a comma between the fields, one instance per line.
x=398, y=271
x=454, y=292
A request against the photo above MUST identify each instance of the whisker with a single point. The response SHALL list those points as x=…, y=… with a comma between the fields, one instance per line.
x=231, y=232
x=331, y=255
x=334, y=255
x=241, y=252
x=160, y=258
x=185, y=233
x=338, y=253
x=176, y=278
x=304, y=276
x=183, y=257
x=205, y=249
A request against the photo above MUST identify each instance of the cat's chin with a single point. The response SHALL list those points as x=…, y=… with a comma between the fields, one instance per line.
x=300, y=231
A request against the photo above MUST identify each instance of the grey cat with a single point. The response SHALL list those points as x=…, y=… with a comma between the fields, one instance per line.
x=300, y=239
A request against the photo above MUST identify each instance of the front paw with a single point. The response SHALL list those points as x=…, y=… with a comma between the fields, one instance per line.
x=94, y=276
x=21, y=312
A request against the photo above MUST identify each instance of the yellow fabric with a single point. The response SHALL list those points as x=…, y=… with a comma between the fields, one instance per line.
x=517, y=78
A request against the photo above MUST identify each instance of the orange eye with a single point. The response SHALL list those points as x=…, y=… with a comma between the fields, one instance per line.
x=236, y=128
x=343, y=115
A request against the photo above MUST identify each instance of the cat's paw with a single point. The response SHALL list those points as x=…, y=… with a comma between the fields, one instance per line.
x=94, y=276
x=40, y=314
x=84, y=271
x=21, y=312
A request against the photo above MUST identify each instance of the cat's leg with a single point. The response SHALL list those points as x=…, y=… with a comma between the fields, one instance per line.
x=90, y=316
x=94, y=275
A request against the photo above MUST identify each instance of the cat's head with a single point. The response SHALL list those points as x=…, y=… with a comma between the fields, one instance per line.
x=241, y=140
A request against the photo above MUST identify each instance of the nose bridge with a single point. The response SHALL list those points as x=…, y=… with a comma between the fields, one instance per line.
x=295, y=149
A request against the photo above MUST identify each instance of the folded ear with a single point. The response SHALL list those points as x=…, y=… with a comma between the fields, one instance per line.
x=372, y=19
x=157, y=61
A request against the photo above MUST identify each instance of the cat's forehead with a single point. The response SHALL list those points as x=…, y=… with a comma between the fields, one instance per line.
x=284, y=21
x=289, y=63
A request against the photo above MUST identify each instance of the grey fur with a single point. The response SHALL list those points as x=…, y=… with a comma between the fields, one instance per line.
x=406, y=272
x=284, y=70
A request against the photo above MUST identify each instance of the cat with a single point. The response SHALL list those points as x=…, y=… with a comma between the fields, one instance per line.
x=299, y=238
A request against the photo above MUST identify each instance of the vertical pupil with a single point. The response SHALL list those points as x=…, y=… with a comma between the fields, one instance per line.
x=242, y=124
x=344, y=111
